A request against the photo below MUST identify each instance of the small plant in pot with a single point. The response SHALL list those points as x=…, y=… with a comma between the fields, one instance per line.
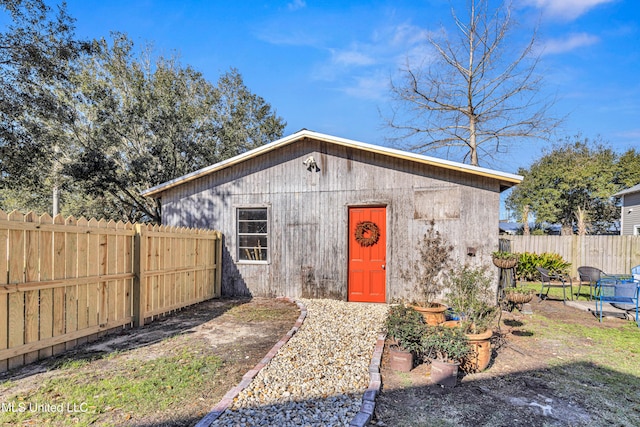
x=446, y=348
x=428, y=273
x=405, y=328
x=470, y=295
x=517, y=296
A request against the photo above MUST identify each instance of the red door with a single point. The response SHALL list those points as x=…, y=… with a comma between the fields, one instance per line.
x=367, y=254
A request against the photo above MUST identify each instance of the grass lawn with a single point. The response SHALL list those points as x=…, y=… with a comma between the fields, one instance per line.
x=171, y=372
x=131, y=387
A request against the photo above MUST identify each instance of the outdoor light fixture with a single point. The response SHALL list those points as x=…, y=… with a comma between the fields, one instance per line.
x=311, y=164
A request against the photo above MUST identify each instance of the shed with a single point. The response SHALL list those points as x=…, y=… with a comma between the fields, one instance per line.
x=630, y=211
x=290, y=212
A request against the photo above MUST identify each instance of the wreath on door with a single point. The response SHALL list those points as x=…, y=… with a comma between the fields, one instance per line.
x=370, y=228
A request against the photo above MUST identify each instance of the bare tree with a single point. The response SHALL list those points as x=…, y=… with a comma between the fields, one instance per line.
x=477, y=94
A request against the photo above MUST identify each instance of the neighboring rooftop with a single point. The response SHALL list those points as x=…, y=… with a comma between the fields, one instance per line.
x=634, y=189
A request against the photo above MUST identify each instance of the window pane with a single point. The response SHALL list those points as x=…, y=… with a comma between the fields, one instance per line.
x=252, y=214
x=252, y=227
x=252, y=241
x=253, y=254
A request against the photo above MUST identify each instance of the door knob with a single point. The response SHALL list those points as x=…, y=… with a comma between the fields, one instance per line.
x=383, y=267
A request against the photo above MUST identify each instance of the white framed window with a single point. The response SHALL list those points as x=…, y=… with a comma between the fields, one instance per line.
x=252, y=234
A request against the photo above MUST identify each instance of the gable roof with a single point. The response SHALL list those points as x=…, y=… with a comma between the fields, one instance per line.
x=507, y=180
x=634, y=189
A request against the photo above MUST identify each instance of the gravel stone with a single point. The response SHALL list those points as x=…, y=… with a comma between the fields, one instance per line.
x=318, y=378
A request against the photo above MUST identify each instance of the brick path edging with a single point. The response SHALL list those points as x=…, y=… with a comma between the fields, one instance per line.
x=363, y=417
x=227, y=399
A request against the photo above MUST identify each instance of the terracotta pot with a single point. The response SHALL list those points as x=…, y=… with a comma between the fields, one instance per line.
x=400, y=360
x=480, y=345
x=432, y=315
x=481, y=356
x=445, y=374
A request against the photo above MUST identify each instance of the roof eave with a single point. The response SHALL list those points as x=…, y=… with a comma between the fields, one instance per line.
x=506, y=180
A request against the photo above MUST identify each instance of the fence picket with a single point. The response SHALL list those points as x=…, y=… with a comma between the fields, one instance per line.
x=32, y=298
x=71, y=272
x=82, y=288
x=93, y=269
x=59, y=265
x=4, y=298
x=46, y=295
x=112, y=268
x=16, y=300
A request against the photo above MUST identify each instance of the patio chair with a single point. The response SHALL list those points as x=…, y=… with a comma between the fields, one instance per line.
x=627, y=288
x=559, y=281
x=590, y=276
x=621, y=293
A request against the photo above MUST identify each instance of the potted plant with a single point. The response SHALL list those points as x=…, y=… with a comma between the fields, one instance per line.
x=446, y=348
x=428, y=273
x=503, y=259
x=469, y=295
x=405, y=328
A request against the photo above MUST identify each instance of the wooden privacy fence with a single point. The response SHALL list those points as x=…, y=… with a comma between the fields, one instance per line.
x=64, y=281
x=612, y=254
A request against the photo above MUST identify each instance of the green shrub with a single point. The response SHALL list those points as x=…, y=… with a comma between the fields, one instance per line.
x=406, y=326
x=527, y=263
x=471, y=297
x=445, y=344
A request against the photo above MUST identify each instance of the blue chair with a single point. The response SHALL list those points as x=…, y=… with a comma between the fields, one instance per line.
x=620, y=293
x=627, y=289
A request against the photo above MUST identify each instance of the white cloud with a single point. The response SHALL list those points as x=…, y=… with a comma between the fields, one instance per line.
x=352, y=58
x=362, y=66
x=630, y=134
x=566, y=9
x=363, y=69
x=374, y=87
x=573, y=41
x=297, y=4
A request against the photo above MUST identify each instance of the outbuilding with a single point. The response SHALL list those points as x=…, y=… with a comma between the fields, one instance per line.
x=314, y=215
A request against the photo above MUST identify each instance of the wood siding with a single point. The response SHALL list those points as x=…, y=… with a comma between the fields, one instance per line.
x=308, y=215
x=630, y=220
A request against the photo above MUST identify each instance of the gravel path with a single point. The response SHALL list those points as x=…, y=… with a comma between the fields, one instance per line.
x=319, y=377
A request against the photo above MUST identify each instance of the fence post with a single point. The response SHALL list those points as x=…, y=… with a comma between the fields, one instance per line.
x=218, y=285
x=139, y=288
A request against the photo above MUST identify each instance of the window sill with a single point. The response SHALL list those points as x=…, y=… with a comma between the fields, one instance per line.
x=248, y=262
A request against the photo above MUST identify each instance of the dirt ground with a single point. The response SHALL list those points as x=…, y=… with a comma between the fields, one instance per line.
x=241, y=337
x=529, y=381
x=525, y=384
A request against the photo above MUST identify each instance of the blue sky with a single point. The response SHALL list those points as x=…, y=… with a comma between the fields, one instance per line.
x=326, y=65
